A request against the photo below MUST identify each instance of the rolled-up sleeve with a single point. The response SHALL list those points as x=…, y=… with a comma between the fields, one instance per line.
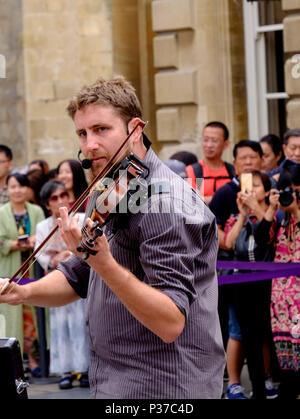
x=170, y=250
x=77, y=273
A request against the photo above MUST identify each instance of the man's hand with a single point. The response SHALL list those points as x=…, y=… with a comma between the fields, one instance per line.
x=70, y=230
x=72, y=236
x=14, y=294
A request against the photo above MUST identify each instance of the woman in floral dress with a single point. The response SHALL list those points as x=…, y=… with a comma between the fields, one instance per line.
x=285, y=298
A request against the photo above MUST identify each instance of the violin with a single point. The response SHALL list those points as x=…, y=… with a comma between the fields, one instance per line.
x=103, y=199
x=107, y=196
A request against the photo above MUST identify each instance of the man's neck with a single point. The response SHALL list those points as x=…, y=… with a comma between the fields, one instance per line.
x=214, y=164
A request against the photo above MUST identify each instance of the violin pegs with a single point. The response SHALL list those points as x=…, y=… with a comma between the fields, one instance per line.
x=98, y=233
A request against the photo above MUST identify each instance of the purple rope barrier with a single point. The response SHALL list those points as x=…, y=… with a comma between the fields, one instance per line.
x=270, y=270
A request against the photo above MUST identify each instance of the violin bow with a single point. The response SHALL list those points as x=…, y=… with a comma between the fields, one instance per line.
x=25, y=266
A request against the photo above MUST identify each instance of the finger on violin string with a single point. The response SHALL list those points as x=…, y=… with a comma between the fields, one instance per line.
x=89, y=223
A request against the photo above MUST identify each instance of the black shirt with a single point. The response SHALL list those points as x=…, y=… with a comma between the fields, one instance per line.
x=223, y=203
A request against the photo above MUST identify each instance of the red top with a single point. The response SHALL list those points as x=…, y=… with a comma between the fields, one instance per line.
x=210, y=183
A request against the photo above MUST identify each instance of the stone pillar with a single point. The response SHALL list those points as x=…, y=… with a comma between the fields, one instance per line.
x=147, y=70
x=291, y=38
x=197, y=53
x=12, y=105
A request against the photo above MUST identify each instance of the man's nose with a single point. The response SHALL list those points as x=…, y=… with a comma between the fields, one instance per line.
x=248, y=161
x=91, y=142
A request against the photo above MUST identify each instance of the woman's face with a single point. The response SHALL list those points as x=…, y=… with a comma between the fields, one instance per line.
x=16, y=192
x=59, y=198
x=65, y=175
x=269, y=160
x=258, y=188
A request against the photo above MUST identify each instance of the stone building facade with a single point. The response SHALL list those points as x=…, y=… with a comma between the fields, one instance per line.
x=186, y=59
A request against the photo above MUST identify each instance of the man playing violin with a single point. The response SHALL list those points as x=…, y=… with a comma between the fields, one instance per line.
x=151, y=284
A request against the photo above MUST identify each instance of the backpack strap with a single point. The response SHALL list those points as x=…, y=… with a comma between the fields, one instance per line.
x=230, y=169
x=194, y=171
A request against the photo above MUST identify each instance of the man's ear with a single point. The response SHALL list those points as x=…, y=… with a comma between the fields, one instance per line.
x=139, y=125
x=226, y=144
x=284, y=148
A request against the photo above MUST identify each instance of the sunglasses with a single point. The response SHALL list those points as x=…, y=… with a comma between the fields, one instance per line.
x=62, y=195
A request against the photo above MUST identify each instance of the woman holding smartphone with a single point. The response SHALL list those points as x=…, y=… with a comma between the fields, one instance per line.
x=18, y=220
x=250, y=309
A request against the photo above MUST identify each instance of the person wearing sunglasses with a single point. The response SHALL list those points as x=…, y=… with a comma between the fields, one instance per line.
x=68, y=340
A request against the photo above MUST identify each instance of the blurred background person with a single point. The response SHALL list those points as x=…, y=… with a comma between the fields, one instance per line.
x=39, y=164
x=185, y=157
x=36, y=180
x=178, y=162
x=250, y=307
x=273, y=154
x=69, y=351
x=247, y=155
x=71, y=174
x=18, y=220
x=212, y=169
x=285, y=303
x=6, y=165
x=291, y=148
x=52, y=174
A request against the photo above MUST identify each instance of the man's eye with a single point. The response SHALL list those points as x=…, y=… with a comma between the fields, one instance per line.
x=82, y=134
x=101, y=129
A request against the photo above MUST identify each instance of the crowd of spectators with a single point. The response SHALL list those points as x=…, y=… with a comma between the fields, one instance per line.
x=260, y=320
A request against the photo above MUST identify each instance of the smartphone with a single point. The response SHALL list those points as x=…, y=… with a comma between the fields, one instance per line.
x=246, y=182
x=23, y=240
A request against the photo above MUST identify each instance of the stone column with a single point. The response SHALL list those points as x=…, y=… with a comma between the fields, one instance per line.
x=198, y=52
x=292, y=65
x=12, y=104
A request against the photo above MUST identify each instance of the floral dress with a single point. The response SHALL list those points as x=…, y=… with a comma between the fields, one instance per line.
x=285, y=300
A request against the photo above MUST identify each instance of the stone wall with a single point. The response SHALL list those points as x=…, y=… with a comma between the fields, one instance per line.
x=67, y=43
x=200, y=73
x=12, y=105
x=292, y=65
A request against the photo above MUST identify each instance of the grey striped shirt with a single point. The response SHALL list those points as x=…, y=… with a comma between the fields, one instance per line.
x=171, y=244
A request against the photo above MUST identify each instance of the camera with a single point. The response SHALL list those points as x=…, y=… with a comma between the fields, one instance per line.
x=286, y=196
